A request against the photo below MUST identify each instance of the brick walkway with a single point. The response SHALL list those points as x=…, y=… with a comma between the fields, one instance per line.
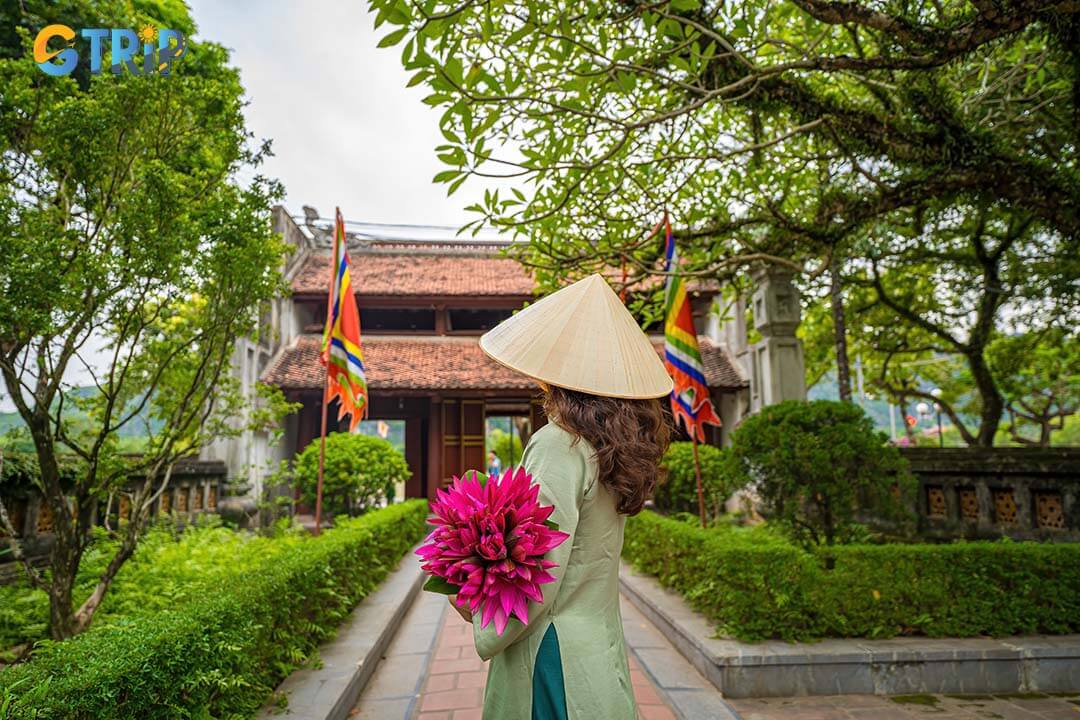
x=455, y=685
x=911, y=707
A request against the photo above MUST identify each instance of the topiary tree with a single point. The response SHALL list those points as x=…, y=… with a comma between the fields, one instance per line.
x=506, y=447
x=359, y=472
x=677, y=490
x=815, y=465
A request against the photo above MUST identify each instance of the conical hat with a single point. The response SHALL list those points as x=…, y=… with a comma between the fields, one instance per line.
x=580, y=338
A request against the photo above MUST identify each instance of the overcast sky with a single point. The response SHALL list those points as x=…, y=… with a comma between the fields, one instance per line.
x=345, y=129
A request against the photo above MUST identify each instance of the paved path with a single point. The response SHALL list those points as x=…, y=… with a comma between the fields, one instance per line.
x=911, y=707
x=430, y=672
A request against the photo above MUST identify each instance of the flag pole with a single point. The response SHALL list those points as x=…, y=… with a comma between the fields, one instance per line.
x=322, y=459
x=326, y=379
x=697, y=473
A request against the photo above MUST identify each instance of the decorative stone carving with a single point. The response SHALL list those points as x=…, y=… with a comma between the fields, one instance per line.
x=1049, y=511
x=936, y=507
x=969, y=504
x=1005, y=506
x=45, y=520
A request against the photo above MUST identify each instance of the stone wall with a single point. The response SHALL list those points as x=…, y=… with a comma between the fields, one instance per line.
x=194, y=488
x=984, y=493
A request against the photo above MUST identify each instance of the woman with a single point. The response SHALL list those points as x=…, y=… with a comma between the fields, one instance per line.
x=596, y=462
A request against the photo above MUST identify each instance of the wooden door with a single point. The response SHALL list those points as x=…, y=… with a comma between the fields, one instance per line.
x=463, y=437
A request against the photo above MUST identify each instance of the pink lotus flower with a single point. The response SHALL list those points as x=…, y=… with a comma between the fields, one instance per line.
x=489, y=545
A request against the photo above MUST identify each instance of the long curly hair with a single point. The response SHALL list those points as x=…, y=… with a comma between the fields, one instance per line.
x=629, y=437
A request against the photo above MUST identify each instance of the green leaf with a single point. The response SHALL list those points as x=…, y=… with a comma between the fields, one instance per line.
x=394, y=38
x=446, y=176
x=439, y=585
x=552, y=524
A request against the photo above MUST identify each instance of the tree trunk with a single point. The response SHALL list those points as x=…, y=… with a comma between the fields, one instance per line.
x=836, y=296
x=62, y=623
x=992, y=402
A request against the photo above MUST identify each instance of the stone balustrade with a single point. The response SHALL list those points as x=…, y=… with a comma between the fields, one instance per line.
x=1022, y=493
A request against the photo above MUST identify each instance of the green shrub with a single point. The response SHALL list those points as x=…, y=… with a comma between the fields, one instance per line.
x=166, y=567
x=360, y=471
x=677, y=490
x=815, y=465
x=506, y=446
x=750, y=585
x=217, y=654
x=755, y=584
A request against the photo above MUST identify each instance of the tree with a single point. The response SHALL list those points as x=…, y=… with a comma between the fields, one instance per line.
x=360, y=472
x=792, y=133
x=506, y=446
x=133, y=261
x=677, y=489
x=815, y=465
x=1040, y=375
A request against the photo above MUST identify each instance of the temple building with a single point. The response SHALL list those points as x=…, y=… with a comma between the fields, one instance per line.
x=424, y=302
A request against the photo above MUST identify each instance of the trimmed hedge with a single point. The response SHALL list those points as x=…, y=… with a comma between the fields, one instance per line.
x=222, y=654
x=755, y=585
x=677, y=490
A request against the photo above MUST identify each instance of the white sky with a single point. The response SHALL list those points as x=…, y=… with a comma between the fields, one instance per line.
x=345, y=129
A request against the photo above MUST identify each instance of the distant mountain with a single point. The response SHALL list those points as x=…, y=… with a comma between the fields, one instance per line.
x=136, y=428
x=878, y=409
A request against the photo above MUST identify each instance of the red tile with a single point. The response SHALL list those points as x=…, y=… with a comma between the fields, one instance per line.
x=471, y=679
x=646, y=695
x=656, y=712
x=436, y=683
x=463, y=698
x=434, y=716
x=471, y=714
x=455, y=666
x=462, y=641
x=450, y=652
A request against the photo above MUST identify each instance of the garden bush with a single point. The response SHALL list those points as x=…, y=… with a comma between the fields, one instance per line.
x=360, y=472
x=677, y=490
x=815, y=465
x=217, y=654
x=168, y=566
x=506, y=446
x=755, y=584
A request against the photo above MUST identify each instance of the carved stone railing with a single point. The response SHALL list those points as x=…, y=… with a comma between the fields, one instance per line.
x=195, y=487
x=1022, y=493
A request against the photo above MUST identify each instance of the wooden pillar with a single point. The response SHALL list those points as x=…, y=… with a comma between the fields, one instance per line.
x=414, y=487
x=435, y=447
x=537, y=417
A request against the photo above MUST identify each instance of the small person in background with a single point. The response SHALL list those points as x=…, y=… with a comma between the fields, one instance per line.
x=494, y=466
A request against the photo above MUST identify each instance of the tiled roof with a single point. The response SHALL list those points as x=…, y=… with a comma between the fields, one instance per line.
x=419, y=274
x=396, y=362
x=720, y=370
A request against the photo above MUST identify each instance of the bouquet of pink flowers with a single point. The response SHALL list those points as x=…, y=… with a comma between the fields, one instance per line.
x=489, y=545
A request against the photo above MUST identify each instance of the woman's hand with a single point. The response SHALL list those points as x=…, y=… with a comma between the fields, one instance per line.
x=463, y=612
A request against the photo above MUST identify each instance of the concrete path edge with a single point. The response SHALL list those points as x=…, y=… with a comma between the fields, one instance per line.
x=330, y=691
x=1036, y=663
